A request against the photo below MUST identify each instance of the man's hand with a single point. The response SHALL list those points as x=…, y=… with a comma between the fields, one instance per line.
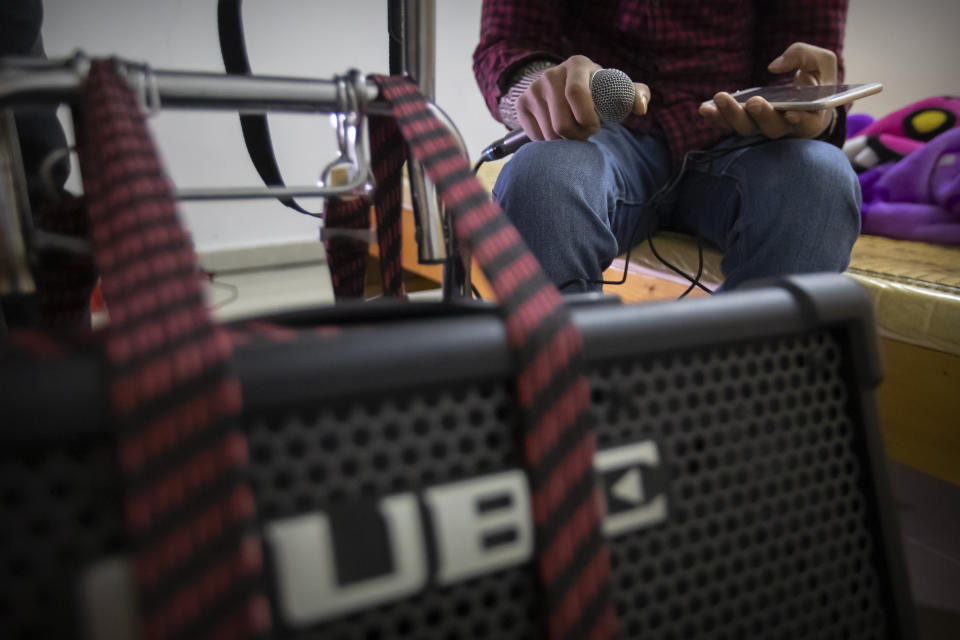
x=811, y=66
x=558, y=104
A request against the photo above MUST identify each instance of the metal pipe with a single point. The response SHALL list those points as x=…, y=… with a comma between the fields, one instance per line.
x=15, y=275
x=419, y=50
x=259, y=93
x=63, y=81
x=188, y=89
x=418, y=60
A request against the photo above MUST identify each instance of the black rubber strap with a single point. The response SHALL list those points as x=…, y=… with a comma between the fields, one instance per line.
x=256, y=132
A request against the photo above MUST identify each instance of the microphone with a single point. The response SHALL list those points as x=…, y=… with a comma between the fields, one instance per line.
x=613, y=96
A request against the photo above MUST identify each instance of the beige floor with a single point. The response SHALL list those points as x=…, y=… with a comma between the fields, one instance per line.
x=261, y=280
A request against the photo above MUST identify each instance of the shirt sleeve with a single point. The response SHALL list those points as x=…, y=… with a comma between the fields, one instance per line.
x=513, y=33
x=780, y=24
x=836, y=133
x=519, y=81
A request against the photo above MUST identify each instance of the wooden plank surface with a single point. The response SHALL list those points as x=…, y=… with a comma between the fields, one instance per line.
x=918, y=408
x=637, y=288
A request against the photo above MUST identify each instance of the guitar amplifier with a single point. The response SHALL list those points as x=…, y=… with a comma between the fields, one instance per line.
x=738, y=456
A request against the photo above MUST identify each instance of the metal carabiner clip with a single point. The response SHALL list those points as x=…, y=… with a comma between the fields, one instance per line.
x=350, y=123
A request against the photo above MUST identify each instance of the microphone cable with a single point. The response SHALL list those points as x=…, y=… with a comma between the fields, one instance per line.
x=652, y=202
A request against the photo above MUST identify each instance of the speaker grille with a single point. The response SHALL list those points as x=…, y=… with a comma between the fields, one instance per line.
x=357, y=449
x=363, y=449
x=59, y=510
x=768, y=533
x=771, y=515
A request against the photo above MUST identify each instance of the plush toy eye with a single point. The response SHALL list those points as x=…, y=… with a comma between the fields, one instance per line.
x=929, y=121
x=926, y=124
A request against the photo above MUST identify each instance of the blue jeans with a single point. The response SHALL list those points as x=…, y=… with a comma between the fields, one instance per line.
x=775, y=207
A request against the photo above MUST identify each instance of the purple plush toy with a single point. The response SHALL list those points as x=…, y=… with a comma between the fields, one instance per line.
x=909, y=168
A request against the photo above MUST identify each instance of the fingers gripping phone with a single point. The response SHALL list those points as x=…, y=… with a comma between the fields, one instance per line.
x=812, y=98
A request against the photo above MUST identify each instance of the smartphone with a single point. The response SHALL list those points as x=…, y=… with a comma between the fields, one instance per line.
x=813, y=98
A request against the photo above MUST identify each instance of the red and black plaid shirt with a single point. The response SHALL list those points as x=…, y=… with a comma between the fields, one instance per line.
x=685, y=50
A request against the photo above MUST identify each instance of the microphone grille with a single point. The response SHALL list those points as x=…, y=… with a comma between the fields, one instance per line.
x=613, y=94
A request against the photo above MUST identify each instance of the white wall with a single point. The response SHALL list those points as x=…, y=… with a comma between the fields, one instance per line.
x=912, y=47
x=284, y=37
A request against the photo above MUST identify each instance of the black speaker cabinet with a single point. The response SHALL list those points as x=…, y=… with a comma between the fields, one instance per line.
x=739, y=457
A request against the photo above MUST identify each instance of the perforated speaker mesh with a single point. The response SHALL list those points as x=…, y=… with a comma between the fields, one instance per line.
x=362, y=449
x=768, y=533
x=59, y=510
x=769, y=530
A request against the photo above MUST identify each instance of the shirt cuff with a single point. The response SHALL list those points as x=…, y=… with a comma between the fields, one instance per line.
x=518, y=82
x=836, y=133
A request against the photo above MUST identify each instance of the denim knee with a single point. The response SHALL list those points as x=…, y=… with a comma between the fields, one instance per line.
x=551, y=171
x=808, y=187
x=556, y=193
x=799, y=211
x=827, y=186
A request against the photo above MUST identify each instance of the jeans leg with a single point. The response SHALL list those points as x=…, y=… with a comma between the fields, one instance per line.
x=777, y=208
x=576, y=204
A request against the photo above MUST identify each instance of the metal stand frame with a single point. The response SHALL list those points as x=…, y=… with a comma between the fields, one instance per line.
x=412, y=34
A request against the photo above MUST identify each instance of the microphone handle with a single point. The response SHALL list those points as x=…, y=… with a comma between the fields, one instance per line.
x=506, y=145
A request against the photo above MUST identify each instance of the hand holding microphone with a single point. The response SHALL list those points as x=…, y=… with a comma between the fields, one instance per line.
x=571, y=101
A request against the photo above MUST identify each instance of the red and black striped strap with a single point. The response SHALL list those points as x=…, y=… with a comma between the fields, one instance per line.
x=346, y=254
x=553, y=394
x=189, y=510
x=64, y=280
